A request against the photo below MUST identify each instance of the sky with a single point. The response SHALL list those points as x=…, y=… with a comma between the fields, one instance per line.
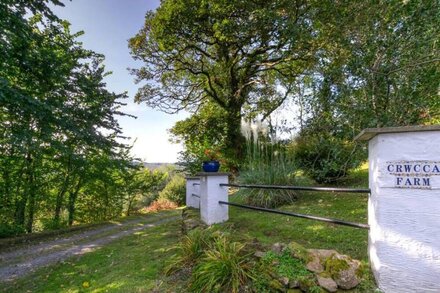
x=108, y=24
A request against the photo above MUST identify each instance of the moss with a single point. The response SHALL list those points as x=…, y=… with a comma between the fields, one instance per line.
x=299, y=251
x=362, y=270
x=307, y=284
x=275, y=284
x=334, y=265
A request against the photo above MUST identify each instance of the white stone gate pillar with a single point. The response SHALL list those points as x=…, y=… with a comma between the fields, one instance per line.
x=404, y=207
x=193, y=189
x=210, y=194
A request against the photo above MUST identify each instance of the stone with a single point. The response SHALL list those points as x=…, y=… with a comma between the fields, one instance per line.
x=306, y=283
x=317, y=257
x=327, y=283
x=277, y=247
x=191, y=224
x=293, y=284
x=322, y=254
x=275, y=284
x=275, y=262
x=298, y=251
x=259, y=254
x=315, y=265
x=284, y=281
x=343, y=270
x=347, y=279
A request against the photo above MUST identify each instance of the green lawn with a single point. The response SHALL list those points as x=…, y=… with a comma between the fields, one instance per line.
x=270, y=228
x=130, y=264
x=135, y=263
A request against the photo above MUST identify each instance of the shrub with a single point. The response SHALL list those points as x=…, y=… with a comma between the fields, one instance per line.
x=191, y=248
x=160, y=205
x=267, y=164
x=325, y=158
x=224, y=268
x=51, y=224
x=175, y=190
x=9, y=230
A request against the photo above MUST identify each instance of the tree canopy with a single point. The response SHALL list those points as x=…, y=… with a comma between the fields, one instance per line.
x=346, y=65
x=61, y=160
x=239, y=55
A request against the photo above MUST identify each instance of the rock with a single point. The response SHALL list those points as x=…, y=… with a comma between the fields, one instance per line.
x=275, y=262
x=275, y=284
x=317, y=257
x=259, y=254
x=315, y=265
x=190, y=224
x=327, y=283
x=348, y=279
x=322, y=254
x=284, y=281
x=293, y=284
x=298, y=251
x=278, y=247
x=306, y=283
x=343, y=270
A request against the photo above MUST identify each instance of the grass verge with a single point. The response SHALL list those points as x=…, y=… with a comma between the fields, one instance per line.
x=130, y=264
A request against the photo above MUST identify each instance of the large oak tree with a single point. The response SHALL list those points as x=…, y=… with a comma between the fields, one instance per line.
x=240, y=55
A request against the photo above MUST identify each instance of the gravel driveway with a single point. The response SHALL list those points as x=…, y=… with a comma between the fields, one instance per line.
x=24, y=260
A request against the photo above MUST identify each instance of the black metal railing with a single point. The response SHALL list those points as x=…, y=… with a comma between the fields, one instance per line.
x=322, y=219
x=302, y=188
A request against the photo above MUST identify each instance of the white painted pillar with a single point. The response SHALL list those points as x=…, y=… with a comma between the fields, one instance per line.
x=192, y=189
x=404, y=207
x=210, y=194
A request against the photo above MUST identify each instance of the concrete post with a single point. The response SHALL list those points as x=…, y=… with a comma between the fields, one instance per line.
x=404, y=207
x=193, y=187
x=210, y=194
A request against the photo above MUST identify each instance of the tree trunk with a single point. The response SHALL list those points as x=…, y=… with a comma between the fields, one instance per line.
x=62, y=192
x=235, y=143
x=72, y=200
x=31, y=192
x=60, y=199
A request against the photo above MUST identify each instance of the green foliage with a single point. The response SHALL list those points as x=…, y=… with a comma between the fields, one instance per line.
x=175, y=190
x=287, y=266
x=203, y=130
x=193, y=55
x=61, y=161
x=325, y=158
x=267, y=163
x=377, y=67
x=223, y=268
x=191, y=248
x=142, y=187
x=10, y=230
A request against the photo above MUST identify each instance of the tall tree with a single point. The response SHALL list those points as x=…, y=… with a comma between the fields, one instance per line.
x=57, y=122
x=239, y=55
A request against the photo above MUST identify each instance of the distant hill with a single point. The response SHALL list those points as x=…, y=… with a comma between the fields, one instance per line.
x=154, y=166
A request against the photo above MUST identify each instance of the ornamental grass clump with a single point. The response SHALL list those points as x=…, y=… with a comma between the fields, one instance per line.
x=267, y=163
x=190, y=249
x=225, y=267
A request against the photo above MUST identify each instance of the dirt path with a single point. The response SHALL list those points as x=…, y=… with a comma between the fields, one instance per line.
x=24, y=260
